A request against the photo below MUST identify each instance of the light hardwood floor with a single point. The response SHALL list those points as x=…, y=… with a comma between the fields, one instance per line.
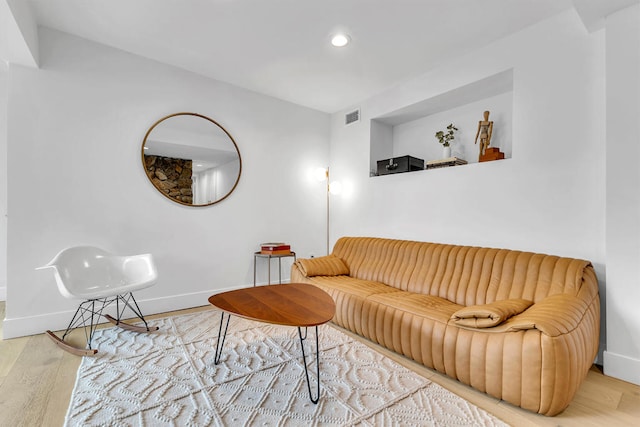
x=37, y=377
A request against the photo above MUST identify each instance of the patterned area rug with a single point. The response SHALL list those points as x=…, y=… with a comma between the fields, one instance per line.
x=169, y=378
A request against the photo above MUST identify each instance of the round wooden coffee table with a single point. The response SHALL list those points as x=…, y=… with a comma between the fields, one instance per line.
x=294, y=304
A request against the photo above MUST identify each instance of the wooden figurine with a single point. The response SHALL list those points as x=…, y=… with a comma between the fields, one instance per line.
x=485, y=129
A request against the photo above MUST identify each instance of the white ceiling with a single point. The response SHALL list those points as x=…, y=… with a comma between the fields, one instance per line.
x=281, y=47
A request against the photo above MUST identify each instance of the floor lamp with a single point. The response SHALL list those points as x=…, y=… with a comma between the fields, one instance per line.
x=331, y=188
x=328, y=190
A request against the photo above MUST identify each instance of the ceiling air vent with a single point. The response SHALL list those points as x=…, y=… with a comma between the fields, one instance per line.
x=352, y=117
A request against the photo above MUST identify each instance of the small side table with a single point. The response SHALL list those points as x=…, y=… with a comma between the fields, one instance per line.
x=257, y=255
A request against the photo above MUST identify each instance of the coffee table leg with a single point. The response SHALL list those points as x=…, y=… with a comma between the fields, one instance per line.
x=220, y=344
x=304, y=362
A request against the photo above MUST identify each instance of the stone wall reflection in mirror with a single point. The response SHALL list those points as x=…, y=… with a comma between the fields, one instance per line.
x=191, y=159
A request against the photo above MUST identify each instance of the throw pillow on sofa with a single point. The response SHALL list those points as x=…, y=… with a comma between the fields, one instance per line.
x=329, y=265
x=489, y=315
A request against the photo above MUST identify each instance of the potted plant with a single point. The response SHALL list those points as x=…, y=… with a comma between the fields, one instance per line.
x=445, y=138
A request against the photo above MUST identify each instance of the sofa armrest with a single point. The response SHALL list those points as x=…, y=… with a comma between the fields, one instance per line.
x=555, y=315
x=329, y=265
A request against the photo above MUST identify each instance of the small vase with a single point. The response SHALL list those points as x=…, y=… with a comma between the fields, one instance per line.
x=446, y=152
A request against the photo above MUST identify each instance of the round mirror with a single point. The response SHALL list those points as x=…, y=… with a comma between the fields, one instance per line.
x=191, y=159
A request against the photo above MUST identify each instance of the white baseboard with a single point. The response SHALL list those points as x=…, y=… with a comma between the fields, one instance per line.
x=600, y=356
x=622, y=367
x=32, y=325
x=3, y=293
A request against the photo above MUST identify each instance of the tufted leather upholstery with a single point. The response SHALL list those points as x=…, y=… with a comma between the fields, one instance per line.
x=404, y=294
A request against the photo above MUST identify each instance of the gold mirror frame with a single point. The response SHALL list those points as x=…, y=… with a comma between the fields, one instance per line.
x=160, y=190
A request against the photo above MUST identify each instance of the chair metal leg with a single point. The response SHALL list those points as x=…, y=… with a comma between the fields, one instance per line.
x=219, y=344
x=126, y=298
x=304, y=362
x=86, y=316
x=72, y=324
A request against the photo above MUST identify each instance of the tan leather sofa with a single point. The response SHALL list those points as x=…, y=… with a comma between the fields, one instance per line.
x=520, y=326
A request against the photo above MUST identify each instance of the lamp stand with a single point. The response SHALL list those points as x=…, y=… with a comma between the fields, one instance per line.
x=328, y=198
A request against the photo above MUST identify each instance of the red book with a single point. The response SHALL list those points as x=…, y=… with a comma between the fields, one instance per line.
x=276, y=252
x=275, y=247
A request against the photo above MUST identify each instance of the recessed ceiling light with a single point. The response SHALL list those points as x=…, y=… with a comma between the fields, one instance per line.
x=340, y=40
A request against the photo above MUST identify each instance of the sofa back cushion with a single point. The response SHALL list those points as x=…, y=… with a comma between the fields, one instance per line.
x=465, y=275
x=381, y=260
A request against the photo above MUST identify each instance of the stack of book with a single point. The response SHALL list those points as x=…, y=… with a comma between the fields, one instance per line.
x=275, y=249
x=443, y=163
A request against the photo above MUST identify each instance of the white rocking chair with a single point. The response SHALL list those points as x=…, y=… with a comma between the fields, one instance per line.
x=100, y=278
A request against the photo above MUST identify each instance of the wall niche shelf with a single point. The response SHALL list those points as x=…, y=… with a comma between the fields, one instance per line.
x=411, y=130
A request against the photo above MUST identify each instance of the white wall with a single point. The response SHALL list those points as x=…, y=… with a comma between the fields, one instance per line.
x=75, y=177
x=622, y=358
x=549, y=197
x=4, y=81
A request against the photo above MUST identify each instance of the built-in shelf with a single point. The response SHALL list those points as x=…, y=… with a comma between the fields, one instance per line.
x=411, y=130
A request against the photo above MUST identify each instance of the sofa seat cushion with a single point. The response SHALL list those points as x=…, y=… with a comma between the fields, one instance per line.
x=350, y=296
x=428, y=306
x=349, y=285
